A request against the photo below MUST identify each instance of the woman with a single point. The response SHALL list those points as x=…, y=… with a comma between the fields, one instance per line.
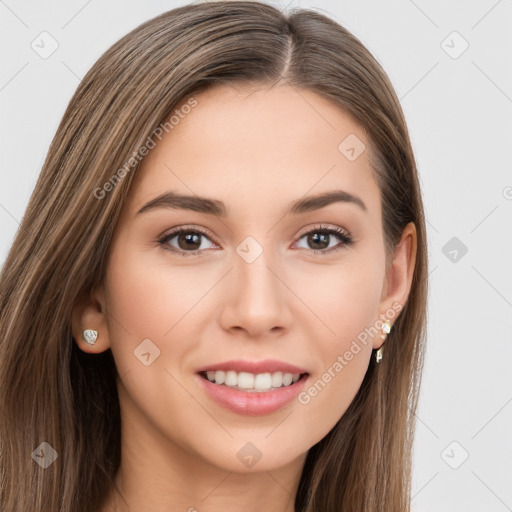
x=216, y=299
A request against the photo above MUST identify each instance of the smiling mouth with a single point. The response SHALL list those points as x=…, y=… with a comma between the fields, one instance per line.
x=251, y=382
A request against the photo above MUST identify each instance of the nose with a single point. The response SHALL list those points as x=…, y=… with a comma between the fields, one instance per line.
x=257, y=299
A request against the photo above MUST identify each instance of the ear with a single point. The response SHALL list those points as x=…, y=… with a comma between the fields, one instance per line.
x=89, y=312
x=398, y=279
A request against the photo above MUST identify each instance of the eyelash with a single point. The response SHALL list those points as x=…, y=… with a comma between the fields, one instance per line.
x=341, y=234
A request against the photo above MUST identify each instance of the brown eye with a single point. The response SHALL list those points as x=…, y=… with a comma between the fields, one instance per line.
x=188, y=241
x=320, y=238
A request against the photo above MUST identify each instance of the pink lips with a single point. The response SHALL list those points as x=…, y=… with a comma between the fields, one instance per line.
x=265, y=366
x=253, y=403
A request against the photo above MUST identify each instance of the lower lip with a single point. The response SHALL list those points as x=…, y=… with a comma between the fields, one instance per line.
x=253, y=403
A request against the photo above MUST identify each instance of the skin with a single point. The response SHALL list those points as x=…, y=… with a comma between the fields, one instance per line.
x=257, y=150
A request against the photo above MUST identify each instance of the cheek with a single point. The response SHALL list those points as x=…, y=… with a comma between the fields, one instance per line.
x=142, y=305
x=346, y=299
x=344, y=362
x=149, y=309
x=328, y=395
x=149, y=296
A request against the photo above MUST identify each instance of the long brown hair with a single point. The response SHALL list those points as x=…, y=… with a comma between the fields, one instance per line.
x=53, y=392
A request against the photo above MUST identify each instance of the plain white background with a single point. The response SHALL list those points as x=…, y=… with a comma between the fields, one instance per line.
x=450, y=63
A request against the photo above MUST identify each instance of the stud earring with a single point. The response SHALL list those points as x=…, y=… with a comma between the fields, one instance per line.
x=89, y=336
x=386, y=329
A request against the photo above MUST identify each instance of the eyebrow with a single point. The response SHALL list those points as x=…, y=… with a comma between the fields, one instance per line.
x=218, y=208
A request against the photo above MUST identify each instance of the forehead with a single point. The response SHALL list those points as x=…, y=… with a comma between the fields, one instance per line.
x=256, y=145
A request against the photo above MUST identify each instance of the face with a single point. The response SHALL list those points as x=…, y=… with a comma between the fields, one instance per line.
x=248, y=280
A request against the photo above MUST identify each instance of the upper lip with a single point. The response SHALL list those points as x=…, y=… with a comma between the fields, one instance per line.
x=264, y=366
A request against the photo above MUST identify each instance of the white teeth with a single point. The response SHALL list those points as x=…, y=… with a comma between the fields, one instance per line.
x=245, y=380
x=263, y=381
x=219, y=377
x=231, y=378
x=252, y=382
x=277, y=379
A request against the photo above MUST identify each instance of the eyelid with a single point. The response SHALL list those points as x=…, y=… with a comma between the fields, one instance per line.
x=305, y=231
x=324, y=227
